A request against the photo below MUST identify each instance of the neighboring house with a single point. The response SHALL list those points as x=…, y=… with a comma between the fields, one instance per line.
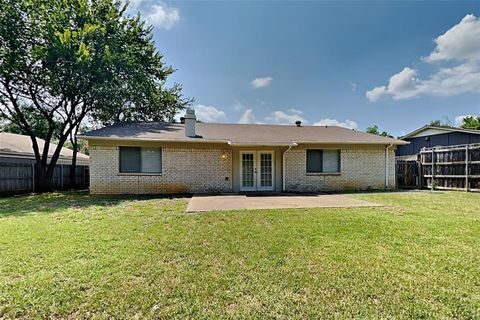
x=17, y=165
x=193, y=157
x=431, y=136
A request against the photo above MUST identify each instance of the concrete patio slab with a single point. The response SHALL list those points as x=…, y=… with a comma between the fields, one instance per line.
x=200, y=203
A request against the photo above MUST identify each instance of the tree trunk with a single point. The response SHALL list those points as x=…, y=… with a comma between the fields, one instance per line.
x=73, y=167
x=46, y=166
x=44, y=178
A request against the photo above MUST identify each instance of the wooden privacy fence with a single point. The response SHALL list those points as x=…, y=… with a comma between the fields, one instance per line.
x=452, y=167
x=18, y=178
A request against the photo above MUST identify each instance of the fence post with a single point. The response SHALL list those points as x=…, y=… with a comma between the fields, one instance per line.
x=433, y=169
x=466, y=169
x=33, y=177
x=61, y=176
x=419, y=172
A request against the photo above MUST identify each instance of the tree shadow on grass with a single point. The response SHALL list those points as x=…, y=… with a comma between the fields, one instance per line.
x=57, y=201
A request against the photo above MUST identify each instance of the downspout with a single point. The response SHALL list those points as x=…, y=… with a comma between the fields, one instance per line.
x=293, y=144
x=386, y=165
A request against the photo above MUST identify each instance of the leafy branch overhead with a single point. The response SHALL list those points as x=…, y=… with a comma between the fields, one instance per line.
x=62, y=62
x=471, y=122
x=374, y=130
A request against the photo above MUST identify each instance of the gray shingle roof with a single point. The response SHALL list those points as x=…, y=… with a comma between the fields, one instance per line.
x=446, y=129
x=238, y=134
x=12, y=144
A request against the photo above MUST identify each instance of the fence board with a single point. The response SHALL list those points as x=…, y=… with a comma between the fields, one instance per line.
x=18, y=177
x=452, y=168
x=407, y=174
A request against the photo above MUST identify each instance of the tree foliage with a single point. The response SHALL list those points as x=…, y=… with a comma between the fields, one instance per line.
x=439, y=123
x=374, y=130
x=38, y=124
x=471, y=122
x=63, y=61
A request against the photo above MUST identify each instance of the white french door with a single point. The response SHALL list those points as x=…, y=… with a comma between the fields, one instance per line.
x=257, y=171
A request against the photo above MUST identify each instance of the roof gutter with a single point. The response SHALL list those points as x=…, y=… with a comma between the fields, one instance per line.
x=229, y=142
x=290, y=146
x=397, y=142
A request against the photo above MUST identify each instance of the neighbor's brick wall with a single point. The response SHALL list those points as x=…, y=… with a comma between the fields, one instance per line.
x=360, y=169
x=184, y=170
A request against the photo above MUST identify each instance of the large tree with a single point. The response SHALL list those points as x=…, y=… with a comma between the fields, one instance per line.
x=63, y=61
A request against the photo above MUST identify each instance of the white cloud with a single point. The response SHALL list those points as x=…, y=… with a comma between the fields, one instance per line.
x=376, y=93
x=261, y=82
x=455, y=80
x=276, y=117
x=238, y=107
x=461, y=43
x=290, y=116
x=400, y=86
x=205, y=114
x=247, y=117
x=459, y=120
x=209, y=114
x=350, y=124
x=135, y=3
x=293, y=110
x=162, y=16
x=281, y=117
x=156, y=13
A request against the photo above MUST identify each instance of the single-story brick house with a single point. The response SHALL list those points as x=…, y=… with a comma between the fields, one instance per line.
x=193, y=157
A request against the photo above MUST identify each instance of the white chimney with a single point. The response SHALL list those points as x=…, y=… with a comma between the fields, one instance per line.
x=190, y=120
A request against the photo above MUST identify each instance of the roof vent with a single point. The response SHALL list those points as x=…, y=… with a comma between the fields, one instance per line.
x=298, y=123
x=182, y=119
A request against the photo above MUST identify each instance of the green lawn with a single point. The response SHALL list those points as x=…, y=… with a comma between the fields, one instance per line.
x=72, y=255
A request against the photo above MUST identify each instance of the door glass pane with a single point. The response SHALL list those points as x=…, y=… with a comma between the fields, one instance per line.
x=266, y=179
x=247, y=170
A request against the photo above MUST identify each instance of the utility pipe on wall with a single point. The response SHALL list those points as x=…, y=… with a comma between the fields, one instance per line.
x=386, y=165
x=293, y=144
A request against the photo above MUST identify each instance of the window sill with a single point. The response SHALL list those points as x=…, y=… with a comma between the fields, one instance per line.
x=323, y=173
x=139, y=174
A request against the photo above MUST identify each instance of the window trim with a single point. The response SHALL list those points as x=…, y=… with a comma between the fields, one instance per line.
x=307, y=173
x=120, y=173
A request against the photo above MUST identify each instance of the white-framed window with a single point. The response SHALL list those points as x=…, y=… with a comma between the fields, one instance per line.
x=140, y=160
x=323, y=161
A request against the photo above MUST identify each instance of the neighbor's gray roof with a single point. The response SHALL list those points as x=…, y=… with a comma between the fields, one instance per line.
x=17, y=145
x=238, y=134
x=447, y=129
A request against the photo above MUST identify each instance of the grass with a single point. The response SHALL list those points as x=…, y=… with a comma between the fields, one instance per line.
x=69, y=255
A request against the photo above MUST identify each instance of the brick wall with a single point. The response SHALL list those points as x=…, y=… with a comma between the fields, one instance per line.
x=361, y=168
x=184, y=170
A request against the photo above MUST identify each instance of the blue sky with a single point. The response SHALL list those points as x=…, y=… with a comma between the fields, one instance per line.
x=394, y=64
